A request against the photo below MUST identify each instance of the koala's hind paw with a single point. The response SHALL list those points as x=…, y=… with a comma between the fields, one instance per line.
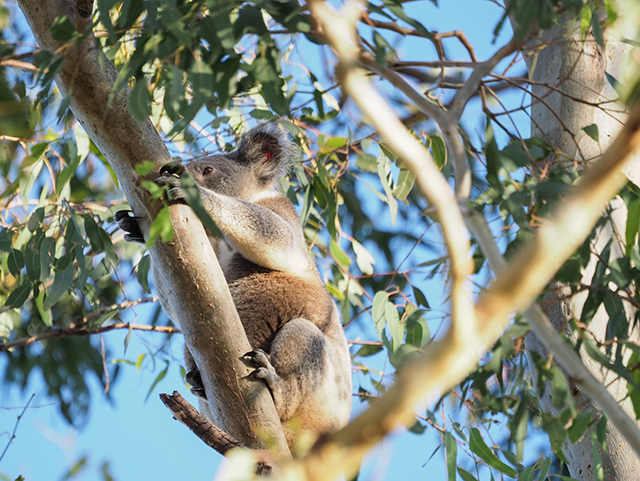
x=259, y=360
x=195, y=381
x=129, y=223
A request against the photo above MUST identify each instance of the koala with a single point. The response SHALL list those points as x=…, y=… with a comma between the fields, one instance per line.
x=299, y=348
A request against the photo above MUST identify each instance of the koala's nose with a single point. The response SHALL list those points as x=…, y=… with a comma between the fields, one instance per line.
x=172, y=168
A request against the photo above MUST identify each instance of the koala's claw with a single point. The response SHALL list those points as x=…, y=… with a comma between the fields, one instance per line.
x=129, y=223
x=194, y=379
x=259, y=360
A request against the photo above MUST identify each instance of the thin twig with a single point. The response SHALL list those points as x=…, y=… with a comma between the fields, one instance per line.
x=463, y=95
x=15, y=427
x=80, y=331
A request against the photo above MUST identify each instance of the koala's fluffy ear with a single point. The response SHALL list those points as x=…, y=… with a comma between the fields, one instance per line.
x=268, y=149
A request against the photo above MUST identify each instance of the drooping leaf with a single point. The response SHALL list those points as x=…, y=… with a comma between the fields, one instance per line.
x=61, y=283
x=480, y=449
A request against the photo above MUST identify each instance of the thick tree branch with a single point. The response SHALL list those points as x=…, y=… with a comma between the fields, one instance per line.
x=203, y=304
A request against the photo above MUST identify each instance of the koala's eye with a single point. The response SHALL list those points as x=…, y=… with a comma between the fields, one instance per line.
x=207, y=170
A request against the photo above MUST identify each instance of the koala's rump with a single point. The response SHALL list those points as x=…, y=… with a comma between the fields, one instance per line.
x=267, y=299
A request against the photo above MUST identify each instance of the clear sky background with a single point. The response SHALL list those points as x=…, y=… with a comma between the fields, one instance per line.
x=137, y=437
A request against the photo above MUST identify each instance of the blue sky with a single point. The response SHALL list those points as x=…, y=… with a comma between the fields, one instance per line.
x=137, y=437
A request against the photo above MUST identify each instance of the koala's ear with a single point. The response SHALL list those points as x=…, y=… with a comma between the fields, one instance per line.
x=269, y=151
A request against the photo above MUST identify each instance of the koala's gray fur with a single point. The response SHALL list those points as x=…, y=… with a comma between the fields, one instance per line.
x=292, y=323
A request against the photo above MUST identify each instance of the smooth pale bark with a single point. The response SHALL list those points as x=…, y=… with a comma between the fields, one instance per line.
x=200, y=295
x=578, y=68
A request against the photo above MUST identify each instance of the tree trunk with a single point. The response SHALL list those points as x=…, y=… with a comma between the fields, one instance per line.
x=201, y=297
x=577, y=67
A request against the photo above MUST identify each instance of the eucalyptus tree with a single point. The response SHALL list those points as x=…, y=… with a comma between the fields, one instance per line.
x=114, y=90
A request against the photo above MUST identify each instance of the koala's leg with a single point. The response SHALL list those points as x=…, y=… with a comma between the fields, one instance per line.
x=306, y=378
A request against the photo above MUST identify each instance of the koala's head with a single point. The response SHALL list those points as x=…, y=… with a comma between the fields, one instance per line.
x=263, y=154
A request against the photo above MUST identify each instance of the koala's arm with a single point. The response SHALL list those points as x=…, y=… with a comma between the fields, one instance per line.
x=261, y=235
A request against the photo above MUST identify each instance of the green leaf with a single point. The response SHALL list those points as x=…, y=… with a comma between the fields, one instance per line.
x=154, y=189
x=417, y=428
x=418, y=332
x=93, y=233
x=19, y=295
x=421, y=300
x=45, y=314
x=527, y=474
x=633, y=223
x=398, y=11
x=338, y=254
x=396, y=329
x=65, y=174
x=466, y=475
x=406, y=181
x=438, y=150
x=109, y=250
x=61, y=283
x=546, y=464
x=554, y=428
x=579, y=426
x=145, y=167
x=634, y=394
x=47, y=256
x=378, y=313
x=364, y=259
x=143, y=273
x=161, y=227
x=159, y=378
x=598, y=469
x=368, y=350
x=192, y=196
x=261, y=114
x=15, y=262
x=62, y=29
x=35, y=219
x=6, y=241
x=592, y=131
x=480, y=449
x=451, y=454
x=32, y=259
x=384, y=173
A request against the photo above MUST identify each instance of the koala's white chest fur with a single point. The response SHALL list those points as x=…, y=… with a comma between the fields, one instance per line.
x=224, y=251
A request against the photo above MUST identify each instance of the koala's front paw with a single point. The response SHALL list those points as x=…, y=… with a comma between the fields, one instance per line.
x=194, y=379
x=129, y=223
x=259, y=360
x=170, y=177
x=173, y=185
